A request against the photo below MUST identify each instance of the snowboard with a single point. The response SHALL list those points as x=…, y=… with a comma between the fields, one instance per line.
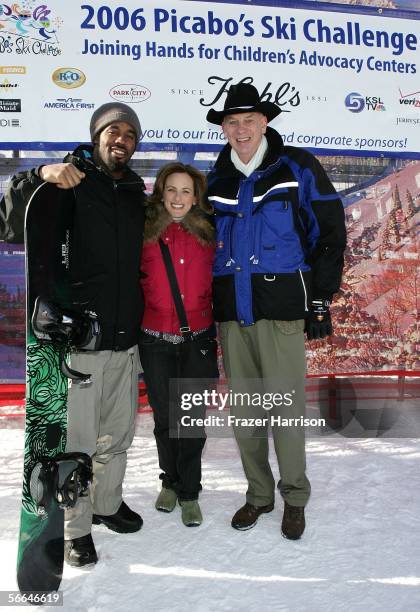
x=48, y=471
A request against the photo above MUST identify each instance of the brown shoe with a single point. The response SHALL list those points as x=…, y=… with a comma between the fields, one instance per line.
x=247, y=516
x=293, y=524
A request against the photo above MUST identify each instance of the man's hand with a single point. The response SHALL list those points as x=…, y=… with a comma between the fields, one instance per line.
x=318, y=324
x=65, y=176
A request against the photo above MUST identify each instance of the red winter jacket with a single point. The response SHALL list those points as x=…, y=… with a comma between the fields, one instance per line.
x=193, y=264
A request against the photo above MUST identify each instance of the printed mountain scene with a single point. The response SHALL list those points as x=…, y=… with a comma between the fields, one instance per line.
x=413, y=5
x=408, y=5
x=12, y=317
x=12, y=313
x=375, y=314
x=390, y=4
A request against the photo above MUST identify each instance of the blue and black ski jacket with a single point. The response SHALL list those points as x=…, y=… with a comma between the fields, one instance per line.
x=280, y=235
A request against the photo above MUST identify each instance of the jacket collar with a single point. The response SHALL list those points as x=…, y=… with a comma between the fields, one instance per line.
x=196, y=222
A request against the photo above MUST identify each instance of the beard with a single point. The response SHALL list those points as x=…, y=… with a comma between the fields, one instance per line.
x=108, y=162
x=114, y=165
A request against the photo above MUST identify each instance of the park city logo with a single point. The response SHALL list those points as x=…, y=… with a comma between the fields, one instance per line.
x=129, y=92
x=68, y=78
x=356, y=103
x=411, y=99
x=29, y=28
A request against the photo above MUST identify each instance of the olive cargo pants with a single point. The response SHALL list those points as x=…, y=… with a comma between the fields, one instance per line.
x=269, y=357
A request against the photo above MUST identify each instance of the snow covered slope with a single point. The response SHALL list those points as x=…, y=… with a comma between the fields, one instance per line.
x=360, y=551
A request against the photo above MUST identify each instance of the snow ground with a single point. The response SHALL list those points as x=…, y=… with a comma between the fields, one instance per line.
x=360, y=551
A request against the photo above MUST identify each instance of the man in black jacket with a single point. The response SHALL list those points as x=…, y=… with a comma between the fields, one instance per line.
x=109, y=220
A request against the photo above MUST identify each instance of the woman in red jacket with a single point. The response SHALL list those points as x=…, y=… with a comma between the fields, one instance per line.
x=178, y=221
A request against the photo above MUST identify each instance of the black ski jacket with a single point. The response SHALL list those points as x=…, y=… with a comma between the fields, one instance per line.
x=108, y=234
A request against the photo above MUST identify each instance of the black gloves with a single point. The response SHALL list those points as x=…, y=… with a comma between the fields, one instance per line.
x=318, y=324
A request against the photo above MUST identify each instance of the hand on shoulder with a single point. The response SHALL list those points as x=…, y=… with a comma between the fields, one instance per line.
x=64, y=175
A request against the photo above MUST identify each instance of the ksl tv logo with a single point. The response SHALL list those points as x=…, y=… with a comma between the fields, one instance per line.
x=356, y=103
x=68, y=78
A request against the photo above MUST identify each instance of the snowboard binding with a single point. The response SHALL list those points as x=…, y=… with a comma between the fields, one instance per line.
x=64, y=479
x=66, y=329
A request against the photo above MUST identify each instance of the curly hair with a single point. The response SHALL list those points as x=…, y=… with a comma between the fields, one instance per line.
x=198, y=178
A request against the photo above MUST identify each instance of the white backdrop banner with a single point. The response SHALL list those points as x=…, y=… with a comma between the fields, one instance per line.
x=346, y=81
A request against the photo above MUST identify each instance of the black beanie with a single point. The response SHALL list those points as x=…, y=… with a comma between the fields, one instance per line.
x=110, y=112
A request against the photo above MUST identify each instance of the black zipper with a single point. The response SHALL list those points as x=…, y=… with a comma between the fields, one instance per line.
x=117, y=246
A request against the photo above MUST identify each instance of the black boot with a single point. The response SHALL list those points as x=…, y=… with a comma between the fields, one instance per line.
x=123, y=521
x=80, y=551
x=293, y=524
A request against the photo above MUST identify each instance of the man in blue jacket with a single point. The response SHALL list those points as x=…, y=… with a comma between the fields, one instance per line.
x=279, y=259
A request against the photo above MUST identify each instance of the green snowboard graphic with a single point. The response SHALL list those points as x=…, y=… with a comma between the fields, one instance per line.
x=48, y=233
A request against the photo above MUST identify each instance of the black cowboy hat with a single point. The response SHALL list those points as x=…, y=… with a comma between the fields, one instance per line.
x=243, y=98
